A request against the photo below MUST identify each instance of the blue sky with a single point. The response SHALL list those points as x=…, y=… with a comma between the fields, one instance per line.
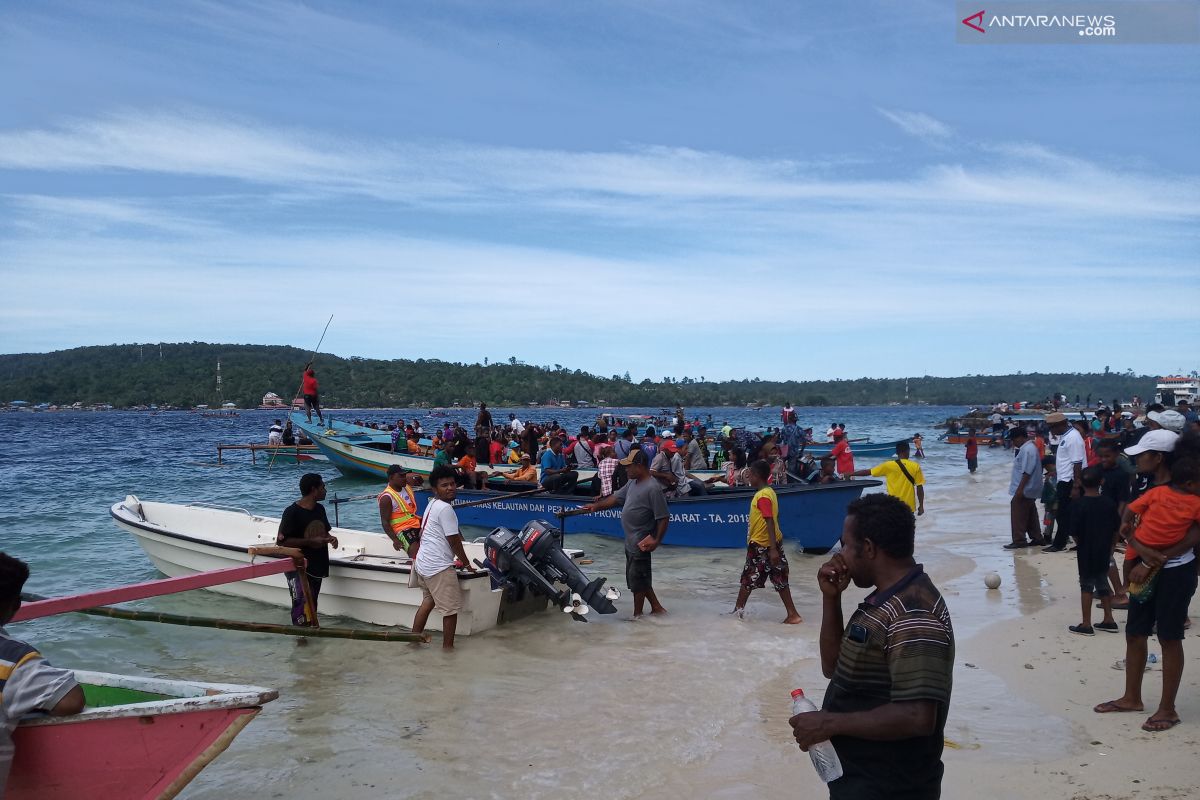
x=781, y=190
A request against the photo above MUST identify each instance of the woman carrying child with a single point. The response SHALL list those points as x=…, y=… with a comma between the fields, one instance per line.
x=1160, y=570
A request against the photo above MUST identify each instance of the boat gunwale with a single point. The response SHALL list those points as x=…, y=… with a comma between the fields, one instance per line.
x=193, y=696
x=149, y=527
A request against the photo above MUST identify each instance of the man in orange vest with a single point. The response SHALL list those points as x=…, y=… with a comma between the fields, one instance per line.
x=398, y=511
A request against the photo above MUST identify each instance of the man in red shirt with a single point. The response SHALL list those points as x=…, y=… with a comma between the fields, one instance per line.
x=841, y=453
x=311, y=397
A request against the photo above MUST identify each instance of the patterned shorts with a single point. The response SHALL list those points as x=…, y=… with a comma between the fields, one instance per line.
x=759, y=568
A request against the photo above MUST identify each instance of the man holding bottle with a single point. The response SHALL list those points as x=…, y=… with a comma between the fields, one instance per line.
x=890, y=668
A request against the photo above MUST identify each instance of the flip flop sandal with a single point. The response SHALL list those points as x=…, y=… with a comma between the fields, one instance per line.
x=1120, y=666
x=1110, y=707
x=1160, y=725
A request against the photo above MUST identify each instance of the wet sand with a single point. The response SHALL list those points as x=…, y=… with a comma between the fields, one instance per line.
x=695, y=704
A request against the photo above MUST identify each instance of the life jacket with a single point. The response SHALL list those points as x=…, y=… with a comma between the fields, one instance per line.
x=404, y=509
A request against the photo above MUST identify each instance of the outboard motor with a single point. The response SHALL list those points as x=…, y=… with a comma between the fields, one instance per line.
x=535, y=558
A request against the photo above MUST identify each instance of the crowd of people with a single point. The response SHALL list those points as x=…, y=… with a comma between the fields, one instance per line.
x=1127, y=495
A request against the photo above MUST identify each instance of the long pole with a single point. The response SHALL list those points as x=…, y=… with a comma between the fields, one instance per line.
x=121, y=594
x=252, y=627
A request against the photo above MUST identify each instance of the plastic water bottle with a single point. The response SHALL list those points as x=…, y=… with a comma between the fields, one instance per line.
x=824, y=757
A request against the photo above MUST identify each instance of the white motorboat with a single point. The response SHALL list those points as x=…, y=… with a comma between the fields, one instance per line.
x=368, y=578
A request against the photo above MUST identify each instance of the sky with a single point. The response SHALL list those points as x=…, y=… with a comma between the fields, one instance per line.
x=775, y=190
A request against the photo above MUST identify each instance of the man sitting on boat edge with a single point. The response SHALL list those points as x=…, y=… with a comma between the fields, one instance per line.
x=398, y=511
x=28, y=684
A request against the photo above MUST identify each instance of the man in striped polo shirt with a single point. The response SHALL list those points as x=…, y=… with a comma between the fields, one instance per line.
x=891, y=667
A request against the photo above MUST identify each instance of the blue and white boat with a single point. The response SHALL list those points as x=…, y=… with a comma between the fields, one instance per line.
x=857, y=449
x=811, y=516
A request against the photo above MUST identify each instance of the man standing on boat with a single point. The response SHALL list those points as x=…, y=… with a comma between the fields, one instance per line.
x=904, y=478
x=305, y=525
x=644, y=519
x=312, y=397
x=441, y=545
x=398, y=511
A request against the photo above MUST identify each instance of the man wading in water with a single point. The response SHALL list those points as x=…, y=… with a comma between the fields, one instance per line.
x=305, y=525
x=644, y=518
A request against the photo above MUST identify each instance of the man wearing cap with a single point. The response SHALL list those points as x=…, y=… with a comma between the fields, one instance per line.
x=1069, y=461
x=398, y=511
x=644, y=519
x=1167, y=419
x=667, y=468
x=1025, y=486
x=526, y=473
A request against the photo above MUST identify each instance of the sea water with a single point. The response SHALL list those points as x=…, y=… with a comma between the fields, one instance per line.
x=533, y=709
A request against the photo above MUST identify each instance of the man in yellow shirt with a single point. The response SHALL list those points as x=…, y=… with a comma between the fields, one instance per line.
x=764, y=546
x=904, y=478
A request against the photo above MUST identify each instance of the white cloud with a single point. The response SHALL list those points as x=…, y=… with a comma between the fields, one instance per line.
x=918, y=124
x=449, y=175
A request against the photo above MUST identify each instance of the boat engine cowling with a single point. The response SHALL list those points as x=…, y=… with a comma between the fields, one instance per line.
x=534, y=558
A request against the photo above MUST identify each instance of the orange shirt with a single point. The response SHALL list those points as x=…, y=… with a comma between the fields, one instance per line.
x=467, y=463
x=1166, y=515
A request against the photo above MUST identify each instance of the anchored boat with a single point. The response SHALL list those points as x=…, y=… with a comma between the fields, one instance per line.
x=368, y=579
x=137, y=738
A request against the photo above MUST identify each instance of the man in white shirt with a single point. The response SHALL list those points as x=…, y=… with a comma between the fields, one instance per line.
x=1069, y=460
x=441, y=543
x=275, y=435
x=515, y=424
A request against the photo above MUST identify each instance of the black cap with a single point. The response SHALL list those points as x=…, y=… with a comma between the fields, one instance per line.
x=394, y=468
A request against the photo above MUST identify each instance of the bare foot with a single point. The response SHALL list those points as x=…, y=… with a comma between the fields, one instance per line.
x=793, y=620
x=740, y=613
x=658, y=612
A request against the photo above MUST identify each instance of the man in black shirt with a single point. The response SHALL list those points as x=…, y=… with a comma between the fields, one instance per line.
x=304, y=525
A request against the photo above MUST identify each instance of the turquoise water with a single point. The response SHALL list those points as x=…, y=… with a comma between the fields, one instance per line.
x=353, y=717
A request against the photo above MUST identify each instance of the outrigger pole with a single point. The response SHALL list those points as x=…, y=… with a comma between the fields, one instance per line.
x=95, y=603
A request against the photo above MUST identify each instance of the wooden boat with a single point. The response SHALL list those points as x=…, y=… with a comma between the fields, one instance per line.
x=811, y=516
x=858, y=449
x=368, y=579
x=137, y=738
x=982, y=439
x=371, y=455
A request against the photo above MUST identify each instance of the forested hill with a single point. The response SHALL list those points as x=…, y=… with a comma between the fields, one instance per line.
x=185, y=375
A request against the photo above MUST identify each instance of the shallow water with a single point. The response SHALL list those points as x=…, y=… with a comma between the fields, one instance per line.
x=621, y=708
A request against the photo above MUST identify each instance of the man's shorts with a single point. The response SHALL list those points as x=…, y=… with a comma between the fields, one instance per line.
x=444, y=589
x=637, y=571
x=1167, y=607
x=759, y=567
x=1096, y=584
